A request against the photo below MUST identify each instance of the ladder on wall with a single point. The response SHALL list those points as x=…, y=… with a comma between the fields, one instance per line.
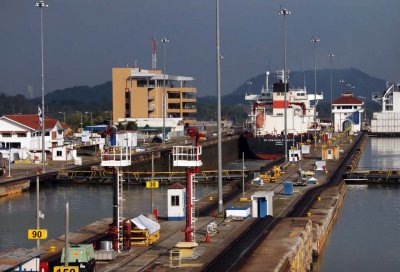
x=120, y=210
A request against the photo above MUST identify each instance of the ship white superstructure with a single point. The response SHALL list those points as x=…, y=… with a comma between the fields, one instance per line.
x=388, y=120
x=266, y=116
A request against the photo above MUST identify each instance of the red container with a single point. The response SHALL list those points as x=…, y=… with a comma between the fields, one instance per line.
x=155, y=212
x=44, y=267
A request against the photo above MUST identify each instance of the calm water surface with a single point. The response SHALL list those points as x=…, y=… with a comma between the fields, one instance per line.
x=88, y=203
x=366, y=236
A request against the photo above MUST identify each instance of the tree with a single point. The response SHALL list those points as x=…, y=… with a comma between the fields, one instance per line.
x=130, y=125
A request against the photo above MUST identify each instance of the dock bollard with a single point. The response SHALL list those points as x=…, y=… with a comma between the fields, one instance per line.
x=208, y=237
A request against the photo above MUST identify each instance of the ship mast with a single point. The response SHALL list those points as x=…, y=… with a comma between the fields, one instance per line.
x=153, y=53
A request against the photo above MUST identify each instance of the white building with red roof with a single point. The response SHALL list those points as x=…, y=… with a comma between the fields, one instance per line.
x=347, y=111
x=23, y=131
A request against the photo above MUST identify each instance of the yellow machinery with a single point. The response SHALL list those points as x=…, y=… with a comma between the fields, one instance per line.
x=143, y=238
x=144, y=231
x=272, y=177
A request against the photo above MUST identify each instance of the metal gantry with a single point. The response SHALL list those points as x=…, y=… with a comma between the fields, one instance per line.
x=117, y=157
x=189, y=157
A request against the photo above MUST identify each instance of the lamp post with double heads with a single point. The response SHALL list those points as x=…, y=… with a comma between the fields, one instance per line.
x=42, y=4
x=91, y=126
x=285, y=12
x=331, y=56
x=219, y=132
x=315, y=40
x=164, y=41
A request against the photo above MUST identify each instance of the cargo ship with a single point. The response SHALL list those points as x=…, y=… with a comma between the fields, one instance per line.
x=387, y=122
x=264, y=137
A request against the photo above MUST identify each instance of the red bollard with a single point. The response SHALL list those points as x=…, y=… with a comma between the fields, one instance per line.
x=208, y=238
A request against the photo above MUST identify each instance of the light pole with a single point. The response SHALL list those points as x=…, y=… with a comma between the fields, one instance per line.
x=331, y=56
x=110, y=112
x=341, y=86
x=315, y=40
x=285, y=12
x=91, y=126
x=164, y=41
x=42, y=4
x=62, y=112
x=219, y=132
x=81, y=123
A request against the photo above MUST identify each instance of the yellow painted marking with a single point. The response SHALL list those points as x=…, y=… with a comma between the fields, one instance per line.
x=66, y=269
x=37, y=234
x=152, y=184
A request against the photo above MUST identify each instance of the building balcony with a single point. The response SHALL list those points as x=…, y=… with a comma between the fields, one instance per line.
x=151, y=108
x=189, y=100
x=192, y=110
x=173, y=110
x=150, y=97
x=174, y=100
x=188, y=90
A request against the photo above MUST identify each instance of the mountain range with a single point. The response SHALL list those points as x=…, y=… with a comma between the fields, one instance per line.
x=99, y=98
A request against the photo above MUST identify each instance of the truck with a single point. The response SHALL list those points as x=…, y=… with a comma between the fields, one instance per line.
x=82, y=256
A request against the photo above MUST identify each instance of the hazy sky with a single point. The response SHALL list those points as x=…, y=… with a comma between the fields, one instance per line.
x=84, y=39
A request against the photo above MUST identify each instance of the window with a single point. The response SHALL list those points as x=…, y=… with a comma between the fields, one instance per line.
x=339, y=107
x=47, y=133
x=59, y=153
x=354, y=107
x=6, y=135
x=175, y=200
x=21, y=135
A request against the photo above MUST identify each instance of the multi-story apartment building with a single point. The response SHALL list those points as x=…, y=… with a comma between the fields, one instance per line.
x=138, y=93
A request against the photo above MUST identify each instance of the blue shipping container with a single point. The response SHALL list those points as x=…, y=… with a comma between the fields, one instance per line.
x=288, y=188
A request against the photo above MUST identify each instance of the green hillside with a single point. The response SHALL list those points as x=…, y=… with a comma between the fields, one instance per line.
x=75, y=101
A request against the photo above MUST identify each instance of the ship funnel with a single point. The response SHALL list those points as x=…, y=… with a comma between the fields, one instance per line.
x=279, y=75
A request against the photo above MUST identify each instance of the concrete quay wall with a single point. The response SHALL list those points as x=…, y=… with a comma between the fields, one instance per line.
x=288, y=247
x=323, y=215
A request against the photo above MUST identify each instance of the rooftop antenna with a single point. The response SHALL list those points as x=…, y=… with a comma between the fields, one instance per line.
x=153, y=53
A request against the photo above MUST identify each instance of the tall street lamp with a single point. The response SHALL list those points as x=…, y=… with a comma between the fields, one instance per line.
x=164, y=41
x=219, y=132
x=315, y=40
x=91, y=126
x=331, y=56
x=81, y=123
x=249, y=83
x=341, y=82
x=285, y=12
x=42, y=4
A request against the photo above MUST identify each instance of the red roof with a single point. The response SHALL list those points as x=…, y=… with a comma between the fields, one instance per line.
x=176, y=186
x=347, y=99
x=32, y=120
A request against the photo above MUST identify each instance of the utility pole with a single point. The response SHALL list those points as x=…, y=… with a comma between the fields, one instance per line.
x=42, y=4
x=219, y=132
x=285, y=12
